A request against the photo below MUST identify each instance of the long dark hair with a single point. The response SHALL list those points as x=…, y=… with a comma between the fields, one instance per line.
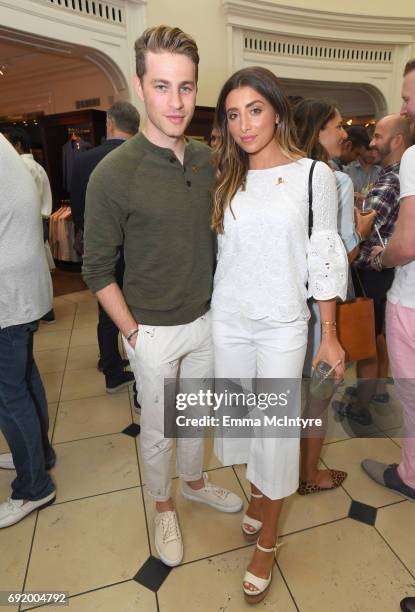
x=310, y=116
x=231, y=161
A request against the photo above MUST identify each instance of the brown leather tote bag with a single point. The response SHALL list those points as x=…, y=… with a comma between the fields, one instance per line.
x=356, y=328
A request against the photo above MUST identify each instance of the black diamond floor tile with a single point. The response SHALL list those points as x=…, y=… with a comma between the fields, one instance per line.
x=363, y=513
x=152, y=574
x=132, y=430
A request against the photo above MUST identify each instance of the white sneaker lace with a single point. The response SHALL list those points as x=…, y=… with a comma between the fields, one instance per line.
x=170, y=527
x=218, y=491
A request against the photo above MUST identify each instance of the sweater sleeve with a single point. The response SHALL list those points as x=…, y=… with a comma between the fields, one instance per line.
x=103, y=229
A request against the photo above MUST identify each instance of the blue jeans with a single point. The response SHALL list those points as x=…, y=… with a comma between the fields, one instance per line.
x=24, y=418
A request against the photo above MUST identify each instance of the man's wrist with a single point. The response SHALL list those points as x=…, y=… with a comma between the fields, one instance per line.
x=129, y=334
x=378, y=261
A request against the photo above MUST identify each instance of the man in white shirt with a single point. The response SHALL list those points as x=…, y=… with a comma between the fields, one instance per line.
x=25, y=296
x=400, y=311
x=21, y=142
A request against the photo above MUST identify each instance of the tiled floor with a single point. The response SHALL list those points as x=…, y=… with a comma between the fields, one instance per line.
x=96, y=536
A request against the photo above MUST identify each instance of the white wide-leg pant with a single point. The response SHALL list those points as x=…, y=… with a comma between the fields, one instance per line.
x=164, y=352
x=247, y=348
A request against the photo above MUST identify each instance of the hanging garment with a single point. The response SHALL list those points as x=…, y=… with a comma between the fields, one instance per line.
x=70, y=150
x=62, y=235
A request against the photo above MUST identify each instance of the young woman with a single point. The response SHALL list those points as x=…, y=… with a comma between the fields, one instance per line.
x=259, y=304
x=320, y=134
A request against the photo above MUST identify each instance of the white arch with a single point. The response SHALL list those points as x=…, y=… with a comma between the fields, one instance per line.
x=352, y=98
x=107, y=44
x=68, y=50
x=306, y=44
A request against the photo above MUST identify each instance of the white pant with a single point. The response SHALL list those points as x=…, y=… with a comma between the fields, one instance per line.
x=246, y=348
x=168, y=352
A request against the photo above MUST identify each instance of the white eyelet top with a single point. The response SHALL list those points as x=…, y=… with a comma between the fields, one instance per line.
x=265, y=258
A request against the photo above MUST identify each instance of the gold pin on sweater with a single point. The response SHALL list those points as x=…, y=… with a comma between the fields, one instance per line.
x=279, y=180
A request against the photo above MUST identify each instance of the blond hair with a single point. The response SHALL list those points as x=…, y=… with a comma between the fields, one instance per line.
x=232, y=162
x=164, y=39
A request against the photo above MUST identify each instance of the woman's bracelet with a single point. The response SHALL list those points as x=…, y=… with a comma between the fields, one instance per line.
x=328, y=327
x=131, y=333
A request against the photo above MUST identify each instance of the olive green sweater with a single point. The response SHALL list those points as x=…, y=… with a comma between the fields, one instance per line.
x=142, y=198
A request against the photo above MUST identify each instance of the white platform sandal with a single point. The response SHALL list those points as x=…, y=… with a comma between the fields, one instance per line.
x=261, y=584
x=251, y=535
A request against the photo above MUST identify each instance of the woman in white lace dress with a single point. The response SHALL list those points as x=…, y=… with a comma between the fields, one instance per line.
x=267, y=267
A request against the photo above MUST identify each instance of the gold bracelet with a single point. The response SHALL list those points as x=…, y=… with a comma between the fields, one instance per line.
x=334, y=323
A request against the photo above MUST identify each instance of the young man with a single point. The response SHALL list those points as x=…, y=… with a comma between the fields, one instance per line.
x=152, y=196
x=123, y=122
x=400, y=311
x=21, y=141
x=350, y=148
x=364, y=170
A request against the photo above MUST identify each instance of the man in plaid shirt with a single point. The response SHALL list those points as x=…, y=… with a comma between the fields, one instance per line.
x=391, y=138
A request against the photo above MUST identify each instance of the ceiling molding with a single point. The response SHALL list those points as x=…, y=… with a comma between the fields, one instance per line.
x=35, y=42
x=275, y=17
x=66, y=17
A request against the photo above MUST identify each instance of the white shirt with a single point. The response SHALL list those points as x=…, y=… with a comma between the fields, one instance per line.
x=265, y=257
x=42, y=183
x=403, y=287
x=25, y=283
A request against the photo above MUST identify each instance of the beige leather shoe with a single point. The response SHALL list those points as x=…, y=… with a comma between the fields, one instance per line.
x=213, y=496
x=168, y=539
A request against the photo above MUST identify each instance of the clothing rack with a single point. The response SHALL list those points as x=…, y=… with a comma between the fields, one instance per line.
x=62, y=234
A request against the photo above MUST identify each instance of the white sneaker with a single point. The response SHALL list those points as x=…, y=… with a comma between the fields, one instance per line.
x=213, y=496
x=6, y=461
x=14, y=510
x=168, y=539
